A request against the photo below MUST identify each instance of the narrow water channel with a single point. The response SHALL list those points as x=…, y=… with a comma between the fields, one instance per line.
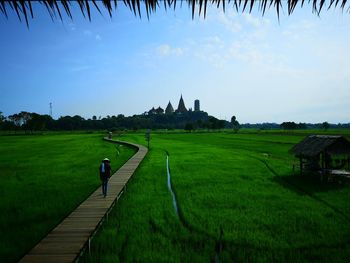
x=218, y=243
x=170, y=187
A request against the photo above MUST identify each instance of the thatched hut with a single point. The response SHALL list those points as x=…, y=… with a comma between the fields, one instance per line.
x=327, y=155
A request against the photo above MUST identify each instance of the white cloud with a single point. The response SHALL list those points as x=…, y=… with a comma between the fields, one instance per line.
x=229, y=21
x=91, y=34
x=220, y=53
x=252, y=54
x=255, y=21
x=214, y=42
x=300, y=30
x=163, y=50
x=166, y=50
x=291, y=35
x=211, y=50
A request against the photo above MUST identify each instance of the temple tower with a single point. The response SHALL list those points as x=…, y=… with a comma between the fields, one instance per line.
x=169, y=109
x=196, y=105
x=181, y=108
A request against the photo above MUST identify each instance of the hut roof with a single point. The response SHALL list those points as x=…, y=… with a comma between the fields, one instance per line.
x=313, y=145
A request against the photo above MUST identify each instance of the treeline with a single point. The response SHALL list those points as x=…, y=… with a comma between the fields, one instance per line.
x=290, y=125
x=30, y=122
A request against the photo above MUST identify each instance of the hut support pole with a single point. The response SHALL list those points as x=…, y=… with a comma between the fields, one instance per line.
x=323, y=165
x=301, y=165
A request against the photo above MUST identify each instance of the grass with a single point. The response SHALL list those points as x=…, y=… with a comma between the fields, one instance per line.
x=42, y=179
x=238, y=201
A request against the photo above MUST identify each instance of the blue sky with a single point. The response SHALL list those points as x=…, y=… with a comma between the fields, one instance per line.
x=257, y=68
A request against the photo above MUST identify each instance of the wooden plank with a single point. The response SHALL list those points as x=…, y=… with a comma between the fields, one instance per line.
x=61, y=248
x=65, y=242
x=58, y=258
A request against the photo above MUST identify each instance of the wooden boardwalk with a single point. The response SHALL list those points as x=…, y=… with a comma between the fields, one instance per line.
x=66, y=242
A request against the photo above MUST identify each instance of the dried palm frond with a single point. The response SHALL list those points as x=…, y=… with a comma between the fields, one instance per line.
x=24, y=10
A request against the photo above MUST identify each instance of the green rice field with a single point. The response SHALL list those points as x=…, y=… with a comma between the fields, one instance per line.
x=238, y=198
x=238, y=201
x=42, y=179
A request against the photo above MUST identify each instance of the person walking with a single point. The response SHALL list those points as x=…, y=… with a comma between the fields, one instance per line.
x=105, y=174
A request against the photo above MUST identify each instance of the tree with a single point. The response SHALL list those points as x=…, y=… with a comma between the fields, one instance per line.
x=189, y=126
x=325, y=125
x=39, y=122
x=235, y=124
x=221, y=124
x=212, y=122
x=2, y=119
x=15, y=119
x=24, y=118
x=199, y=124
x=301, y=126
x=289, y=125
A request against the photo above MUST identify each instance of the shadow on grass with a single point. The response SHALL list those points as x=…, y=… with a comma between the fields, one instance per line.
x=305, y=184
x=308, y=184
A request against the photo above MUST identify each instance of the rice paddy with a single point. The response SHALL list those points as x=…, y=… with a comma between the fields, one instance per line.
x=42, y=179
x=238, y=200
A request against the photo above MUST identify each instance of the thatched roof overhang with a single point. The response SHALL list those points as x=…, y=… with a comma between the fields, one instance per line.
x=61, y=8
x=313, y=145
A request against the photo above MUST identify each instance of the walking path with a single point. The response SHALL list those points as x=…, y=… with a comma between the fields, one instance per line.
x=65, y=242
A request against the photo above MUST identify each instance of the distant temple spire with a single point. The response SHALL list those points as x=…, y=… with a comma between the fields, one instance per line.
x=196, y=105
x=169, y=109
x=181, y=108
x=159, y=110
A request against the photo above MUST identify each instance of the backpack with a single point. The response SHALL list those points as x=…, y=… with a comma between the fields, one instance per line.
x=102, y=168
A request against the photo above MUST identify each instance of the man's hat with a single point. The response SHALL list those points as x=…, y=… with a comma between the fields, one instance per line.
x=106, y=159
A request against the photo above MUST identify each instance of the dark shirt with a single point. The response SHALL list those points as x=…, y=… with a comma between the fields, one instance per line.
x=107, y=172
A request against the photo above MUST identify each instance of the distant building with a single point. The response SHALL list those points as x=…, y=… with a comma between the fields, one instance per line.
x=181, y=108
x=196, y=105
x=152, y=111
x=169, y=109
x=159, y=110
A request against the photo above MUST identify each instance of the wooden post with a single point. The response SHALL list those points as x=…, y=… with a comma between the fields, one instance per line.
x=148, y=137
x=322, y=161
x=89, y=244
x=301, y=165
